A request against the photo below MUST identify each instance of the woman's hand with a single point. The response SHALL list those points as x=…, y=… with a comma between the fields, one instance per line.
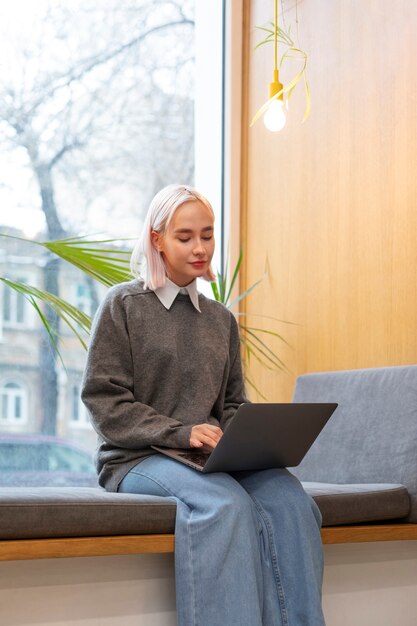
x=205, y=435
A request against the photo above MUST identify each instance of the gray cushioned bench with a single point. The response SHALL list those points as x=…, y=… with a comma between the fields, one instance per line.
x=361, y=471
x=47, y=522
x=56, y=522
x=371, y=437
x=43, y=512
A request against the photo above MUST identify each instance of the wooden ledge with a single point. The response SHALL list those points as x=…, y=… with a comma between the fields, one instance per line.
x=27, y=549
x=369, y=532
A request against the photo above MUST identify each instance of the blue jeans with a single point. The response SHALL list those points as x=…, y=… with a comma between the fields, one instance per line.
x=247, y=545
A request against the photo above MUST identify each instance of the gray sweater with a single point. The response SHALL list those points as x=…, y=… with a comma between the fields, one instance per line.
x=153, y=373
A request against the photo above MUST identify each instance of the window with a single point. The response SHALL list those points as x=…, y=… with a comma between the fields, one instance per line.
x=79, y=414
x=13, y=403
x=83, y=298
x=109, y=103
x=14, y=306
x=106, y=101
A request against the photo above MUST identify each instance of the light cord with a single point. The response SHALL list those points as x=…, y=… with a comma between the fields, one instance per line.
x=276, y=37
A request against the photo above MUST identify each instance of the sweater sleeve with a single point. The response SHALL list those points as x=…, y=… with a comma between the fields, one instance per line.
x=107, y=389
x=235, y=389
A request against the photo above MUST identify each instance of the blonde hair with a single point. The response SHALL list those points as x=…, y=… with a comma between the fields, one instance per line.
x=146, y=261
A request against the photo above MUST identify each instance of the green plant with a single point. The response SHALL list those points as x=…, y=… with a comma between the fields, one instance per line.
x=293, y=51
x=253, y=339
x=75, y=319
x=110, y=266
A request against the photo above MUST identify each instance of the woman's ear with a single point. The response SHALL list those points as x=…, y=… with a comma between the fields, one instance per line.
x=156, y=239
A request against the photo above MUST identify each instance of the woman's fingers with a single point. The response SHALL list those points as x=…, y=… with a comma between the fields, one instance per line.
x=201, y=440
x=205, y=434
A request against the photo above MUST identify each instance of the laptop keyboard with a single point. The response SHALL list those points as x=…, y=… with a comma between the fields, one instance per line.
x=199, y=458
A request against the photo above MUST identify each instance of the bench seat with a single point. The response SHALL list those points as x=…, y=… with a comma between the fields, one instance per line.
x=358, y=503
x=372, y=435
x=51, y=512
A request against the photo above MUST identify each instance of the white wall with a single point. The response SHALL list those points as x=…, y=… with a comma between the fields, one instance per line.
x=373, y=584
x=99, y=591
x=365, y=585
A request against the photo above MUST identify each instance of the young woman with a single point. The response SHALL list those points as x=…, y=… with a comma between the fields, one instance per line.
x=164, y=369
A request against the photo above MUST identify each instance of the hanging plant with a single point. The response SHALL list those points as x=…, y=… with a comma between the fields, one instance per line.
x=279, y=92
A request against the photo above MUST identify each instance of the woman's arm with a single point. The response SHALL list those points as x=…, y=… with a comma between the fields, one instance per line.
x=107, y=388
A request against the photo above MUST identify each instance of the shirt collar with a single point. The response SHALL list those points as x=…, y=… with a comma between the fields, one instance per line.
x=170, y=290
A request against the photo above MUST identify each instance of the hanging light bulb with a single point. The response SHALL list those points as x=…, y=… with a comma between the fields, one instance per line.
x=274, y=117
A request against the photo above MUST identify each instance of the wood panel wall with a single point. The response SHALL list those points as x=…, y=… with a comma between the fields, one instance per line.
x=331, y=203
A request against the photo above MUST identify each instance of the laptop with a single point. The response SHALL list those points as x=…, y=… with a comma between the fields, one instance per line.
x=260, y=436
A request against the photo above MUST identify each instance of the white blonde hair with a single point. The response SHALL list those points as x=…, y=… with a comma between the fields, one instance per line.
x=146, y=261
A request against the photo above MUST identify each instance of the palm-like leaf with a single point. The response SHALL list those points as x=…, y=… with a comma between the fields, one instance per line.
x=76, y=320
x=253, y=345
x=106, y=264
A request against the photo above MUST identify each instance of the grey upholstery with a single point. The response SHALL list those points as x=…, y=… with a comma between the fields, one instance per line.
x=43, y=512
x=35, y=513
x=372, y=436
x=352, y=504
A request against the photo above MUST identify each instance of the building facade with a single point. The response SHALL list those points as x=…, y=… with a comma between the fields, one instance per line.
x=21, y=332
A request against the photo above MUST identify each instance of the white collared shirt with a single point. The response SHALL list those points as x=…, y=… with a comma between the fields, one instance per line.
x=170, y=290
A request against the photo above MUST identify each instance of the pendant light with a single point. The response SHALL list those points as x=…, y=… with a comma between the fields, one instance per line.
x=274, y=117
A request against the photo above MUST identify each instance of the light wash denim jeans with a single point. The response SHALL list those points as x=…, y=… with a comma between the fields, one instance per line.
x=247, y=545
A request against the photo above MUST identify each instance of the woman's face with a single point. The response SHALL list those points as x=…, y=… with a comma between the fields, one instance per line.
x=187, y=245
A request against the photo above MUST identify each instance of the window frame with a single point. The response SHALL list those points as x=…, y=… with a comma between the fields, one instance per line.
x=83, y=420
x=14, y=298
x=83, y=302
x=218, y=108
x=13, y=395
